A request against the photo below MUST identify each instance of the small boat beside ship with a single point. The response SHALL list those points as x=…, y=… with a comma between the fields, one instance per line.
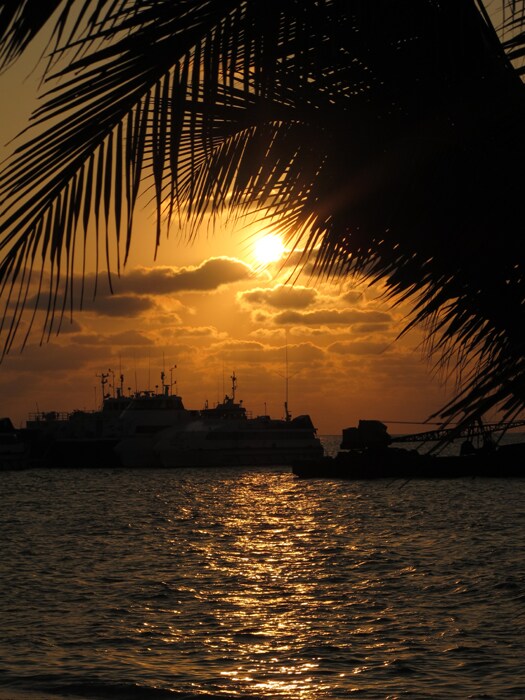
x=367, y=452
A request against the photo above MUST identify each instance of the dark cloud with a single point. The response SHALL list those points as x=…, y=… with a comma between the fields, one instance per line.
x=281, y=297
x=120, y=305
x=353, y=297
x=299, y=261
x=70, y=326
x=261, y=317
x=210, y=275
x=132, y=291
x=327, y=317
x=371, y=327
x=358, y=347
x=104, y=304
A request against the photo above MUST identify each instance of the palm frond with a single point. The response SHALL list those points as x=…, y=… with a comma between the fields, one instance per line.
x=22, y=21
x=387, y=136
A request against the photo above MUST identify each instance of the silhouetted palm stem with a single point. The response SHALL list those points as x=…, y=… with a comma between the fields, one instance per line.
x=384, y=138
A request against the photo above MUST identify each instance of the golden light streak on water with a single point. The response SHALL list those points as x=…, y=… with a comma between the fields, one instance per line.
x=242, y=583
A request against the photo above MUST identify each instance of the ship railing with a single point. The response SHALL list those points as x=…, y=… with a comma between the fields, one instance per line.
x=48, y=416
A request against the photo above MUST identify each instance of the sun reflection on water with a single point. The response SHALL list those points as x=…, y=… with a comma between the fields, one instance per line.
x=262, y=613
x=242, y=583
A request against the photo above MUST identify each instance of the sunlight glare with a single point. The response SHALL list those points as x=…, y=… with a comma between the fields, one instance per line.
x=268, y=249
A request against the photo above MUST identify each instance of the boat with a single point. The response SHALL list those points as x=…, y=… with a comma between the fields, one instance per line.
x=78, y=438
x=119, y=434
x=227, y=436
x=367, y=452
x=155, y=429
x=147, y=414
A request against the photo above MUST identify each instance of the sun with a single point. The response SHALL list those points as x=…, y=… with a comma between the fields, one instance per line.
x=269, y=248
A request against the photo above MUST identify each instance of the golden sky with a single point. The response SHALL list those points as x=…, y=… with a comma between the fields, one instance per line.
x=211, y=308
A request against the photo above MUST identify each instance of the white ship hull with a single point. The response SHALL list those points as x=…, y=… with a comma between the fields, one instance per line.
x=233, y=443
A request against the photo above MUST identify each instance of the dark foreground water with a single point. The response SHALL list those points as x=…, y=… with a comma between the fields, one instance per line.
x=253, y=584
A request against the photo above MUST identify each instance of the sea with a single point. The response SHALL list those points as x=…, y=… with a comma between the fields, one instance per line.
x=243, y=584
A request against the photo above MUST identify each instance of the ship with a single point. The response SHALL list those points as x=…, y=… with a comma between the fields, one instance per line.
x=118, y=434
x=78, y=438
x=227, y=436
x=147, y=415
x=154, y=429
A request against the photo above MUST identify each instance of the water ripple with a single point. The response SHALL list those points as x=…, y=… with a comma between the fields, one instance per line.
x=246, y=583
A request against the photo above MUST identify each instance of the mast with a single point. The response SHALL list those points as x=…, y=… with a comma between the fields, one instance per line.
x=103, y=381
x=287, y=376
x=120, y=390
x=234, y=385
x=171, y=378
x=287, y=414
x=165, y=388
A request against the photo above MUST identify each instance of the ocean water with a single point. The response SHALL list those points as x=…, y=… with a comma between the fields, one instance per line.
x=250, y=583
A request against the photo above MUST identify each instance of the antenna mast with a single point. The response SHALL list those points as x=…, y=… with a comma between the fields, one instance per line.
x=112, y=385
x=120, y=389
x=287, y=414
x=103, y=381
x=171, y=378
x=234, y=385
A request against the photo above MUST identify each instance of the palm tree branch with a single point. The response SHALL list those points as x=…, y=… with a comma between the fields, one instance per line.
x=337, y=117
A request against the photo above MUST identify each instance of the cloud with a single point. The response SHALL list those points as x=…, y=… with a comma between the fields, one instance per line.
x=198, y=336
x=56, y=358
x=252, y=351
x=268, y=334
x=210, y=275
x=120, y=305
x=198, y=332
x=306, y=352
x=104, y=304
x=371, y=327
x=133, y=291
x=300, y=261
x=327, y=317
x=129, y=337
x=281, y=296
x=262, y=317
x=69, y=325
x=353, y=297
x=358, y=347
x=232, y=348
x=161, y=320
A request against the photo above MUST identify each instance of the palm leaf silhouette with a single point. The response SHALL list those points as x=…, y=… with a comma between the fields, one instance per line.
x=383, y=138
